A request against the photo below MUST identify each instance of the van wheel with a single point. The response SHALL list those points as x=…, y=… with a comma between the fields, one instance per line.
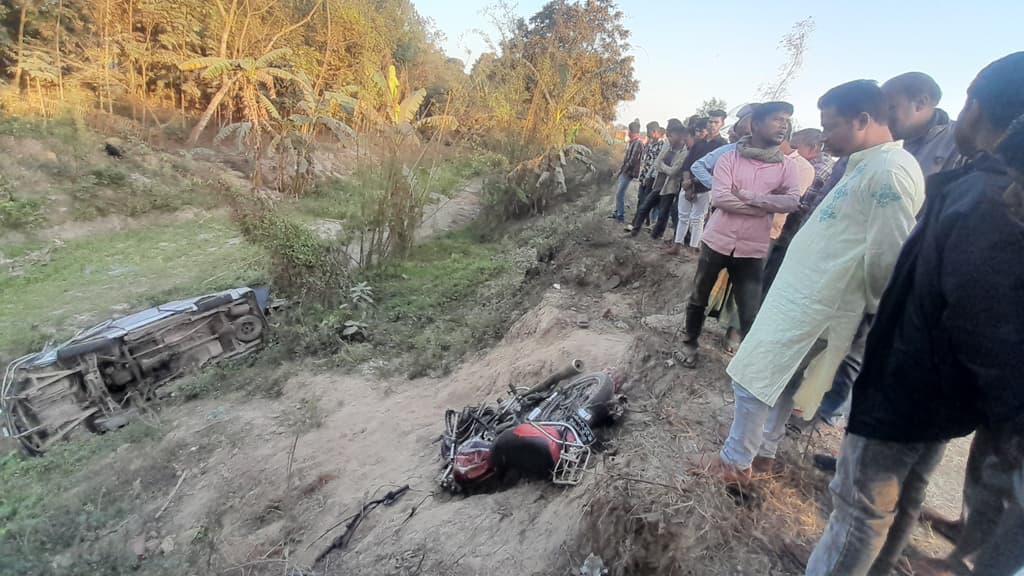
x=248, y=328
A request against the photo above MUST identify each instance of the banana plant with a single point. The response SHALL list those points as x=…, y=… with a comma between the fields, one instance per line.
x=253, y=79
x=384, y=105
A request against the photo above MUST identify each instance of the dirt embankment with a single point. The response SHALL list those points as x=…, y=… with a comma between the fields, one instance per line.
x=370, y=436
x=263, y=486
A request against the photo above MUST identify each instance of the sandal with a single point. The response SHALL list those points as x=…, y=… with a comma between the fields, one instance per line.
x=731, y=342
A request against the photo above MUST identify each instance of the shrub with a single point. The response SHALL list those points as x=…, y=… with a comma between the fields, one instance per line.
x=301, y=263
x=21, y=214
x=535, y=185
x=108, y=176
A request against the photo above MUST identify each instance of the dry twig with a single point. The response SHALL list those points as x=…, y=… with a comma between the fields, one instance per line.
x=171, y=496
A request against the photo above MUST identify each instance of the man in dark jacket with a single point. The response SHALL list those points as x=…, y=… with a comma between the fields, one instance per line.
x=915, y=118
x=944, y=354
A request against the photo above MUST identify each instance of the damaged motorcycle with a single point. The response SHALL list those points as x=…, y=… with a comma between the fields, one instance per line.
x=542, y=432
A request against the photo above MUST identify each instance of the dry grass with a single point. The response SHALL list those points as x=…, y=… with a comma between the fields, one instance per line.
x=653, y=512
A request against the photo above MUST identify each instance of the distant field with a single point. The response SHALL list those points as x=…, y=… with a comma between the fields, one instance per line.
x=94, y=278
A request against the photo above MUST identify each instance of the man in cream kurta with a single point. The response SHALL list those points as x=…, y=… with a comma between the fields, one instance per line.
x=834, y=273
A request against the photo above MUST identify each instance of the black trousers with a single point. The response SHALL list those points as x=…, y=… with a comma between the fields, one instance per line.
x=776, y=254
x=674, y=214
x=746, y=275
x=664, y=204
x=642, y=192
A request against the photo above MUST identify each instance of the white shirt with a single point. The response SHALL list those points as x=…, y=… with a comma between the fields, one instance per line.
x=835, y=271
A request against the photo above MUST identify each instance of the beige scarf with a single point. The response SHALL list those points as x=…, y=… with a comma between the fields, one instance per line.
x=772, y=155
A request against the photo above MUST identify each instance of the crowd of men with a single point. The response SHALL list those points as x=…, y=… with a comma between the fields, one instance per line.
x=884, y=286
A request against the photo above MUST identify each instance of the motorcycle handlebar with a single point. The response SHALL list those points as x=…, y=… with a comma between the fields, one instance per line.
x=575, y=367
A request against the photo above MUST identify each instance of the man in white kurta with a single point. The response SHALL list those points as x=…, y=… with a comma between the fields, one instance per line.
x=834, y=273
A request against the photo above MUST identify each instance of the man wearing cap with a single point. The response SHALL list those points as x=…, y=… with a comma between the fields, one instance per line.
x=751, y=184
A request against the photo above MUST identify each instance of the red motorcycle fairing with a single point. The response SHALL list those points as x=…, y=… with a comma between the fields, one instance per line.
x=473, y=461
x=529, y=449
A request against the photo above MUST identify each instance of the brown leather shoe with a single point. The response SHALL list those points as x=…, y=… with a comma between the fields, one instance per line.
x=728, y=473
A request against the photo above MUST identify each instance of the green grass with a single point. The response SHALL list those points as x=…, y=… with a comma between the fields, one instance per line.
x=18, y=214
x=58, y=171
x=125, y=190
x=88, y=280
x=19, y=249
x=437, y=273
x=336, y=198
x=51, y=504
x=436, y=305
x=451, y=295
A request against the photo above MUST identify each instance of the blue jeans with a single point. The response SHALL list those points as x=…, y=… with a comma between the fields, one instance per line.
x=836, y=402
x=757, y=428
x=621, y=185
x=877, y=496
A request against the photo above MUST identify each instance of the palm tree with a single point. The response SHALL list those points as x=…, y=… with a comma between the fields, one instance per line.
x=252, y=78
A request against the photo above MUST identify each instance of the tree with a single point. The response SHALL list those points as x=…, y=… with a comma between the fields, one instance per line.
x=588, y=45
x=794, y=44
x=710, y=104
x=116, y=54
x=253, y=79
x=294, y=139
x=388, y=112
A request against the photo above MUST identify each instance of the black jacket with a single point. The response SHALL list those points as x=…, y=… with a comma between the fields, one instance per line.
x=946, y=351
x=700, y=150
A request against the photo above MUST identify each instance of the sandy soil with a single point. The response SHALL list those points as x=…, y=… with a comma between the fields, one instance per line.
x=450, y=213
x=262, y=480
x=375, y=435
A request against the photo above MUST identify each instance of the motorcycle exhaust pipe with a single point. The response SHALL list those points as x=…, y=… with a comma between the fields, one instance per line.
x=574, y=368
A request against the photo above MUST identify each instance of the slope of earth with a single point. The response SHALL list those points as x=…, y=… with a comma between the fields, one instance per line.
x=242, y=485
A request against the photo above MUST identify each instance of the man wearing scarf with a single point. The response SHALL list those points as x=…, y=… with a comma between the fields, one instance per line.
x=751, y=184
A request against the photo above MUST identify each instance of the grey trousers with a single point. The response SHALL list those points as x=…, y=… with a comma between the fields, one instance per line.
x=988, y=487
x=877, y=496
x=993, y=511
x=1003, y=554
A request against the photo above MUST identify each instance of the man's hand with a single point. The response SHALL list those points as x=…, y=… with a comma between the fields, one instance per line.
x=739, y=193
x=690, y=195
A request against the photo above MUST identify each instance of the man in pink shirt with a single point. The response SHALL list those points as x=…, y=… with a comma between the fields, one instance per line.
x=751, y=185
